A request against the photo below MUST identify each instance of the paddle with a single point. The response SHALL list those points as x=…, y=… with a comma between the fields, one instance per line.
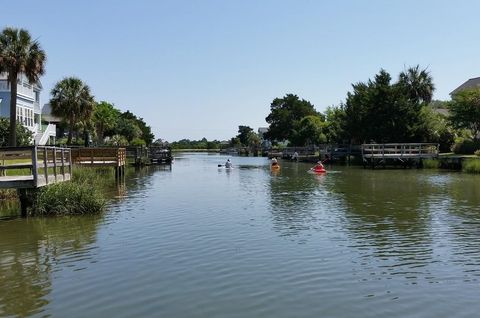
x=220, y=166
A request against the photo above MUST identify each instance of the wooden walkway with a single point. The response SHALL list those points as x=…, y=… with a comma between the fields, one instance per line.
x=402, y=153
x=34, y=166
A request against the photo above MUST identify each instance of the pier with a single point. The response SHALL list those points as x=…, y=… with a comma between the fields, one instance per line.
x=34, y=166
x=404, y=154
x=101, y=157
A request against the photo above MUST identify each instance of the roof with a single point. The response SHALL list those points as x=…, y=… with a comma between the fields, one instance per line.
x=471, y=83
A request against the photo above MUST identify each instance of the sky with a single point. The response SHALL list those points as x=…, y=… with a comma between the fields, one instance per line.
x=201, y=68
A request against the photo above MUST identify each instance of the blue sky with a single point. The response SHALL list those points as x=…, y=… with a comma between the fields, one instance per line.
x=196, y=69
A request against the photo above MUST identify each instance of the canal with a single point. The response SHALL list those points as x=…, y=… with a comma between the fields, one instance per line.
x=201, y=241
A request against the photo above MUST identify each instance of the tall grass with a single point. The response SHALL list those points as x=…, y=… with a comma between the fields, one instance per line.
x=431, y=164
x=471, y=165
x=69, y=198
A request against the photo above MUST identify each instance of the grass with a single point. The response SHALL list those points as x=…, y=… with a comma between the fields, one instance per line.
x=431, y=164
x=471, y=165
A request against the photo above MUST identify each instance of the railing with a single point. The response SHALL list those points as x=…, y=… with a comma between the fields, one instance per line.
x=115, y=157
x=34, y=166
x=50, y=130
x=400, y=150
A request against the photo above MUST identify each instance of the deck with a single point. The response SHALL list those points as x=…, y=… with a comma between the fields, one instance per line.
x=34, y=166
x=403, y=153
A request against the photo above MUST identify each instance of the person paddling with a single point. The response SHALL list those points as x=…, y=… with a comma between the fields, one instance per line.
x=228, y=164
x=274, y=161
x=319, y=166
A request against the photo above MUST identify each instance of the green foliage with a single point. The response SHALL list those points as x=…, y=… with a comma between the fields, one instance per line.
x=465, y=111
x=465, y=146
x=285, y=116
x=196, y=144
x=117, y=140
x=431, y=164
x=309, y=131
x=105, y=117
x=434, y=127
x=137, y=142
x=477, y=153
x=471, y=165
x=334, y=124
x=69, y=198
x=387, y=112
x=243, y=134
x=19, y=54
x=72, y=101
x=24, y=136
x=132, y=127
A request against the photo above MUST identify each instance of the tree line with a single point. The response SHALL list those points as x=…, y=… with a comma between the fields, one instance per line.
x=71, y=100
x=380, y=110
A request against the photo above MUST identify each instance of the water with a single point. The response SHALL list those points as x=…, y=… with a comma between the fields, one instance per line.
x=202, y=241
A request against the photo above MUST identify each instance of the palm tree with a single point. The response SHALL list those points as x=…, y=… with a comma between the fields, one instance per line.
x=19, y=54
x=71, y=100
x=418, y=83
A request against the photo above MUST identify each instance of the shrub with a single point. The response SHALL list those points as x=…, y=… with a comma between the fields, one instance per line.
x=69, y=198
x=431, y=164
x=465, y=146
x=471, y=165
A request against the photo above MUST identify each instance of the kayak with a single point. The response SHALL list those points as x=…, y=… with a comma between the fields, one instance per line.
x=318, y=170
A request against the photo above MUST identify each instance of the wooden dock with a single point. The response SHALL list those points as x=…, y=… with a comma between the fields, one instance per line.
x=34, y=166
x=404, y=154
x=101, y=157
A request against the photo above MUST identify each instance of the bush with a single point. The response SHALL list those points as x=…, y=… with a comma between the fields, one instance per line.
x=69, y=198
x=471, y=165
x=24, y=136
x=431, y=164
x=477, y=153
x=465, y=146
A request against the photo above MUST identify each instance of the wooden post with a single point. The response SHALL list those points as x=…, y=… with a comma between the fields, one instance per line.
x=55, y=163
x=45, y=165
x=69, y=151
x=91, y=155
x=62, y=151
x=35, y=166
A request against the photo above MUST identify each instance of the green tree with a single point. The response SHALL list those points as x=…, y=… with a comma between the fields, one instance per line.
x=105, y=117
x=146, y=132
x=24, y=136
x=309, y=131
x=72, y=101
x=19, y=54
x=243, y=134
x=465, y=111
x=386, y=112
x=418, y=85
x=128, y=128
x=334, y=124
x=285, y=116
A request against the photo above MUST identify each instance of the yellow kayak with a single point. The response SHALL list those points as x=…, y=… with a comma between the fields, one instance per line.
x=275, y=167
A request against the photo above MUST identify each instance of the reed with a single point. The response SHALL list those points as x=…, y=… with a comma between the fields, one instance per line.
x=471, y=165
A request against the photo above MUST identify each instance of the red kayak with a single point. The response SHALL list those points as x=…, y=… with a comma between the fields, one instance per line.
x=320, y=170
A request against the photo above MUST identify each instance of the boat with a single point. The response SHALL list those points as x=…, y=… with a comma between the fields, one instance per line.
x=318, y=170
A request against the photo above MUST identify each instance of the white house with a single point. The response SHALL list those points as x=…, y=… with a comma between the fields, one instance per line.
x=29, y=113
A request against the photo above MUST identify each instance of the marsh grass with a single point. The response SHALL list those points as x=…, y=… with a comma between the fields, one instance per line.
x=471, y=165
x=431, y=164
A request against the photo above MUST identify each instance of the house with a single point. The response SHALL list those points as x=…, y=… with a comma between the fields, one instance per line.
x=266, y=144
x=28, y=105
x=471, y=83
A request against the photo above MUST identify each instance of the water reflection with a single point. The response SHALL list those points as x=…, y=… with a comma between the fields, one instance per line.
x=30, y=252
x=293, y=198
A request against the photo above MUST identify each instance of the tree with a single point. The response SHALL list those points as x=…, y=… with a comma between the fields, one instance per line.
x=71, y=100
x=285, y=115
x=19, y=54
x=309, y=131
x=145, y=130
x=334, y=124
x=418, y=85
x=105, y=117
x=387, y=112
x=24, y=136
x=465, y=111
x=243, y=134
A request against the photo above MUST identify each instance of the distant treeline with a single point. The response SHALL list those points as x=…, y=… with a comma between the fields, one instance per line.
x=196, y=144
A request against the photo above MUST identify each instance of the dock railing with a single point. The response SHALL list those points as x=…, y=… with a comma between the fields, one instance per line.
x=112, y=157
x=400, y=150
x=34, y=166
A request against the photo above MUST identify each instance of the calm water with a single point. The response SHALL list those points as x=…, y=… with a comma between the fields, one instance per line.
x=199, y=241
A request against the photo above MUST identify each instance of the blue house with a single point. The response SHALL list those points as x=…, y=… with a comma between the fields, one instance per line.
x=29, y=113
